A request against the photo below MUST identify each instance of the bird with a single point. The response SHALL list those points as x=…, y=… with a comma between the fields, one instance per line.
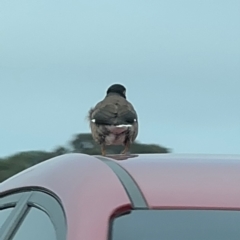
x=114, y=121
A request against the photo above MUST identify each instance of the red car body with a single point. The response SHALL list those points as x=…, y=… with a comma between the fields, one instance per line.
x=93, y=189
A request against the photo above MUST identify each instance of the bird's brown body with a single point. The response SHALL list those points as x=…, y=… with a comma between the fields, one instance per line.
x=113, y=121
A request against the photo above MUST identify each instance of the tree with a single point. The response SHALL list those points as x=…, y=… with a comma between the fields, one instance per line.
x=60, y=151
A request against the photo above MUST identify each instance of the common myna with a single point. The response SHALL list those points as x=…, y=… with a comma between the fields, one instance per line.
x=114, y=121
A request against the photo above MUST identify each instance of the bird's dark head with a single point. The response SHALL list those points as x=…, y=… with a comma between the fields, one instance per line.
x=117, y=89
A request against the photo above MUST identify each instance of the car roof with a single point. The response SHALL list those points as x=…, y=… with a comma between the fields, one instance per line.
x=92, y=188
x=165, y=180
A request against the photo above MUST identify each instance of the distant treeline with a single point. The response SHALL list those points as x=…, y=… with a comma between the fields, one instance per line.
x=81, y=143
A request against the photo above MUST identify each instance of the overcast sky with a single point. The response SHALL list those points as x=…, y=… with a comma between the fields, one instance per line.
x=179, y=60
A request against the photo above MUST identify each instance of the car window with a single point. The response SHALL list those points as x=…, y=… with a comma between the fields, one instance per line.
x=177, y=225
x=36, y=225
x=4, y=213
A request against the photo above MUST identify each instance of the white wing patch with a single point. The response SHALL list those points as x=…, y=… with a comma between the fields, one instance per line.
x=123, y=125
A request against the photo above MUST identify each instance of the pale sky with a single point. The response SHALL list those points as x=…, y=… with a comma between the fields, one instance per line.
x=179, y=60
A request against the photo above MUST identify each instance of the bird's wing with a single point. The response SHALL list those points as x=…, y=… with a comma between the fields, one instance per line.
x=113, y=110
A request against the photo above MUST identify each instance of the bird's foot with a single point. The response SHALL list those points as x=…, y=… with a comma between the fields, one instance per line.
x=125, y=150
x=103, y=151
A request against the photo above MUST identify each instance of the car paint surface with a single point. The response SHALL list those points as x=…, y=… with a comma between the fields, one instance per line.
x=199, y=181
x=91, y=192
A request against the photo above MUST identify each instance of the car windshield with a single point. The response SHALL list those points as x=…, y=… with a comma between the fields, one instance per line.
x=177, y=225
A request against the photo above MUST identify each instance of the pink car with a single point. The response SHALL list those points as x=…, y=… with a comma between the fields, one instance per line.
x=141, y=197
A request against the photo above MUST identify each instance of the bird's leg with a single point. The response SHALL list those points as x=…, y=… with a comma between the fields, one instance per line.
x=103, y=149
x=127, y=146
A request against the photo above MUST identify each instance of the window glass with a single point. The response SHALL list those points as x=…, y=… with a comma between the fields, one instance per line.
x=177, y=225
x=36, y=226
x=4, y=213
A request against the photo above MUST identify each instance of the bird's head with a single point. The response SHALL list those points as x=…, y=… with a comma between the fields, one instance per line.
x=117, y=89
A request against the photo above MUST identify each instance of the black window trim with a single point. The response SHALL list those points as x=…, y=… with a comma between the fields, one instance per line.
x=15, y=216
x=133, y=191
x=10, y=201
x=47, y=203
x=26, y=199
